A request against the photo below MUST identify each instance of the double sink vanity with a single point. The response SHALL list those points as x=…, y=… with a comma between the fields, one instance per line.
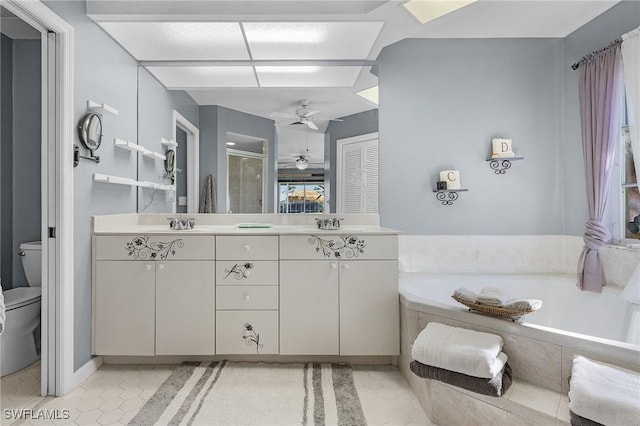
x=244, y=285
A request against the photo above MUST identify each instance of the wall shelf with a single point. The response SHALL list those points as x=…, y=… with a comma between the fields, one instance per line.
x=169, y=143
x=129, y=145
x=500, y=165
x=448, y=196
x=101, y=108
x=98, y=177
x=154, y=155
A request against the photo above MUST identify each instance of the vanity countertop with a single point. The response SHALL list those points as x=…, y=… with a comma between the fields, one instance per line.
x=234, y=230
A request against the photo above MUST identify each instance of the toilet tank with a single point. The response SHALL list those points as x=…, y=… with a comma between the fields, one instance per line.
x=31, y=255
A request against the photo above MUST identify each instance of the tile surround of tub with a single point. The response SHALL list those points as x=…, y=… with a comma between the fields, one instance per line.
x=509, y=254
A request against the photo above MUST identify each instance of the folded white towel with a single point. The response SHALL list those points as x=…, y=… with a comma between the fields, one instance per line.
x=492, y=296
x=524, y=305
x=465, y=294
x=457, y=349
x=604, y=393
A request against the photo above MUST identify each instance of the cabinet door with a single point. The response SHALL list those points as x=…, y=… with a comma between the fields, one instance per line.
x=124, y=305
x=185, y=308
x=369, y=306
x=246, y=332
x=309, y=307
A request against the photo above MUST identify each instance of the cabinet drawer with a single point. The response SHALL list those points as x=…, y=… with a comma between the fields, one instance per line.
x=155, y=247
x=246, y=332
x=247, y=247
x=247, y=297
x=261, y=272
x=336, y=246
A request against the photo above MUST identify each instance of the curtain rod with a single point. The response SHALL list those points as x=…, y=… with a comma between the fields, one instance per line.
x=590, y=56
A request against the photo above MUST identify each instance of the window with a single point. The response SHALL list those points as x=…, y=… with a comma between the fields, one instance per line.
x=625, y=200
x=296, y=197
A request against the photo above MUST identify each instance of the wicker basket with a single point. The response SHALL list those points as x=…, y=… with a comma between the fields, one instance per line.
x=491, y=310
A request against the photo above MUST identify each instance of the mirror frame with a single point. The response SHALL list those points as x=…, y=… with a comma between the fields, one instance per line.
x=87, y=128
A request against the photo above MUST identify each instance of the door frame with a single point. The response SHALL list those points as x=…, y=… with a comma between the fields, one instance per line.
x=193, y=160
x=57, y=347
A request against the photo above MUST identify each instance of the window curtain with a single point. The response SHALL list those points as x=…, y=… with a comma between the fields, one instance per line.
x=631, y=65
x=600, y=90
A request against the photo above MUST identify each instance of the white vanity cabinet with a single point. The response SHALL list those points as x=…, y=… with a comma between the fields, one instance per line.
x=149, y=300
x=247, y=294
x=339, y=294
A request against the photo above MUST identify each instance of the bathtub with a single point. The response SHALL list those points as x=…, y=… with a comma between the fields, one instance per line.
x=541, y=346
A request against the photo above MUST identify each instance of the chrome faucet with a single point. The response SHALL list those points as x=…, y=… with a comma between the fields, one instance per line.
x=177, y=224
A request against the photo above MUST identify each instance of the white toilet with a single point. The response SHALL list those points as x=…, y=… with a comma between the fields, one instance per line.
x=17, y=342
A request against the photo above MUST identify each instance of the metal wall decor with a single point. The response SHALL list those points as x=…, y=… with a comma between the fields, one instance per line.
x=501, y=165
x=448, y=196
x=142, y=248
x=347, y=246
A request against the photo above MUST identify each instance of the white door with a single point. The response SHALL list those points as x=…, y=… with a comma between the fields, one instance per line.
x=185, y=308
x=309, y=307
x=357, y=174
x=369, y=307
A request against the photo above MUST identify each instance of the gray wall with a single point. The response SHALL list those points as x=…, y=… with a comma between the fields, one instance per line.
x=20, y=154
x=6, y=162
x=27, y=138
x=441, y=103
x=598, y=33
x=352, y=125
x=215, y=122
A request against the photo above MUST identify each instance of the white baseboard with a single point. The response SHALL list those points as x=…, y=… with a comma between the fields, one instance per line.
x=82, y=373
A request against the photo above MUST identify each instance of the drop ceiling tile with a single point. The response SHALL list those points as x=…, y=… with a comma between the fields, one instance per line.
x=307, y=76
x=149, y=41
x=204, y=76
x=311, y=40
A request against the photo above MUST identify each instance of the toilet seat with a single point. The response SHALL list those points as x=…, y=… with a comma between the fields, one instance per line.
x=21, y=296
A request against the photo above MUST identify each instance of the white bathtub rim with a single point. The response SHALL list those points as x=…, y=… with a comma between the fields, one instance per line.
x=606, y=348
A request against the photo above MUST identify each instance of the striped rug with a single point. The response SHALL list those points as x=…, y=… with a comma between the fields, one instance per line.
x=242, y=393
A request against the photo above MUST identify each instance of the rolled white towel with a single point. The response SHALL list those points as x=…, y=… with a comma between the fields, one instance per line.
x=492, y=296
x=604, y=393
x=524, y=305
x=457, y=349
x=465, y=294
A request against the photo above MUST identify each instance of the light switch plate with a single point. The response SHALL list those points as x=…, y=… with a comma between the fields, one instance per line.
x=182, y=201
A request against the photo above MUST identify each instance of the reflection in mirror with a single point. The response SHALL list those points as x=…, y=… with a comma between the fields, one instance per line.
x=246, y=169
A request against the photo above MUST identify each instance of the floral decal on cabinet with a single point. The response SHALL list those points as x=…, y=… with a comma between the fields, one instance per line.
x=239, y=271
x=142, y=248
x=250, y=337
x=347, y=246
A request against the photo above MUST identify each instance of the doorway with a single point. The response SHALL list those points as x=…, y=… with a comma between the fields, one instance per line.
x=57, y=375
x=187, y=135
x=246, y=174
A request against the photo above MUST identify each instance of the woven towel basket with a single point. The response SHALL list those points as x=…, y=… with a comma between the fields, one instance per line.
x=491, y=310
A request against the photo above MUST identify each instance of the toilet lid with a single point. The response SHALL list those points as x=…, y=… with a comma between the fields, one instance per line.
x=20, y=296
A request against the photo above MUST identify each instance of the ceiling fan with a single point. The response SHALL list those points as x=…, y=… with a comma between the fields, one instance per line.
x=302, y=116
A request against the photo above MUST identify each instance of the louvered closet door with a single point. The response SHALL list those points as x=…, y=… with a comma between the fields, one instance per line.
x=358, y=175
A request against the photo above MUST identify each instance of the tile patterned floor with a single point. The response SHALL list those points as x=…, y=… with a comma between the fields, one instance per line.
x=115, y=393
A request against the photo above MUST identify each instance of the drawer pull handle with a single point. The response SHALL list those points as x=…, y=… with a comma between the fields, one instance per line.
x=345, y=266
x=246, y=247
x=147, y=267
x=247, y=297
x=161, y=266
x=334, y=266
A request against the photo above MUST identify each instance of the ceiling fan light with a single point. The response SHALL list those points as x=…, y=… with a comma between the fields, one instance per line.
x=302, y=163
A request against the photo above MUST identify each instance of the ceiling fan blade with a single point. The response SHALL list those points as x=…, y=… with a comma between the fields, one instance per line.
x=312, y=125
x=310, y=114
x=336, y=119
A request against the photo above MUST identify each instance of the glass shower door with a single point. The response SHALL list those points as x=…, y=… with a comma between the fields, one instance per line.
x=246, y=182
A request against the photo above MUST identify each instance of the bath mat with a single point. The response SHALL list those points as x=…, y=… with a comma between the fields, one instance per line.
x=243, y=393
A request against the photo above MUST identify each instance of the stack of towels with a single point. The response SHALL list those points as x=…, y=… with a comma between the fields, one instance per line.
x=603, y=394
x=465, y=358
x=497, y=298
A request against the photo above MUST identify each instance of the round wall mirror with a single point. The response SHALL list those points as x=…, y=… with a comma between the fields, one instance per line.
x=170, y=162
x=90, y=131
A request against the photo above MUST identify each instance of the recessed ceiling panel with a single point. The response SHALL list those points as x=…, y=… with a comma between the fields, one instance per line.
x=203, y=77
x=307, y=76
x=311, y=40
x=155, y=41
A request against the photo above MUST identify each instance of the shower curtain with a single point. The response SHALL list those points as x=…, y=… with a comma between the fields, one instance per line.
x=600, y=88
